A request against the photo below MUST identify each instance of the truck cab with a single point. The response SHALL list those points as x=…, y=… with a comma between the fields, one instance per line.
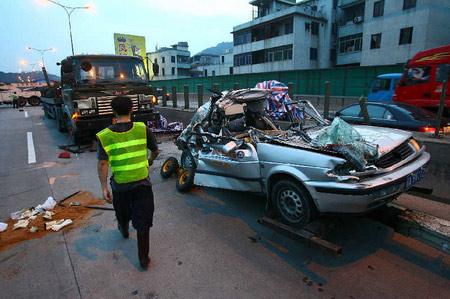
x=384, y=86
x=90, y=82
x=422, y=80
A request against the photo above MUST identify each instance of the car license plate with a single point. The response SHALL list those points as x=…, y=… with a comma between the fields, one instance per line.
x=415, y=176
x=114, y=121
x=447, y=130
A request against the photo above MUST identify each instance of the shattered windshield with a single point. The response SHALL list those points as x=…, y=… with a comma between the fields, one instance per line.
x=114, y=70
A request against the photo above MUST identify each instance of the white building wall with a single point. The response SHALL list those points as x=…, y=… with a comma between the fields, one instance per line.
x=431, y=28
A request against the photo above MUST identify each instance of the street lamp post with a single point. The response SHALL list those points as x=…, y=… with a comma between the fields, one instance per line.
x=69, y=10
x=41, y=51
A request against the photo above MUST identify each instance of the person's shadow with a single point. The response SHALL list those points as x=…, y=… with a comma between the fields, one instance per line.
x=94, y=238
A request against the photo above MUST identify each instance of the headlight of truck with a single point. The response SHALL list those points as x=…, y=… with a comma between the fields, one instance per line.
x=85, y=104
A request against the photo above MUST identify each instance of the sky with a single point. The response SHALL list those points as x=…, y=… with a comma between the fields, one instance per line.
x=43, y=25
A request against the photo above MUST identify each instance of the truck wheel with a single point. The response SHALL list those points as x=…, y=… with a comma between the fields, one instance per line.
x=22, y=102
x=34, y=101
x=185, y=181
x=292, y=202
x=187, y=160
x=169, y=167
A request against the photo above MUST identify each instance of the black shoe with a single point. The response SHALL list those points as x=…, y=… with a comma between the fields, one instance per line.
x=123, y=228
x=143, y=240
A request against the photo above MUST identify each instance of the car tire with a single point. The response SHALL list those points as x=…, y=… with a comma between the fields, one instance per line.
x=169, y=167
x=185, y=181
x=292, y=203
x=187, y=160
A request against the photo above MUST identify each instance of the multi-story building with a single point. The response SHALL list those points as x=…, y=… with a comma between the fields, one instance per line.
x=206, y=65
x=310, y=34
x=285, y=35
x=173, y=62
x=380, y=32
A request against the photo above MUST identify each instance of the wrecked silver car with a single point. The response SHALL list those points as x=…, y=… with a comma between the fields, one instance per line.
x=309, y=167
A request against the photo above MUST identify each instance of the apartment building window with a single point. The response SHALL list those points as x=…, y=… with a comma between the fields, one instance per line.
x=231, y=70
x=163, y=60
x=315, y=28
x=243, y=59
x=213, y=73
x=223, y=59
x=312, y=53
x=378, y=8
x=350, y=43
x=407, y=4
x=277, y=54
x=242, y=38
x=172, y=59
x=375, y=41
x=173, y=71
x=288, y=28
x=163, y=72
x=405, y=36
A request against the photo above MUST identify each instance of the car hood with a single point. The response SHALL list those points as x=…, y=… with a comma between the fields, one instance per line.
x=387, y=139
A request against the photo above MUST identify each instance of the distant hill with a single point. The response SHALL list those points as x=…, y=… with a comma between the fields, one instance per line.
x=34, y=76
x=217, y=50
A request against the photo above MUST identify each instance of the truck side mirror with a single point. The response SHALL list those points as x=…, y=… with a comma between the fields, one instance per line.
x=86, y=66
x=66, y=66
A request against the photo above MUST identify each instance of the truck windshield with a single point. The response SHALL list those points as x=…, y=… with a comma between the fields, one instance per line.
x=110, y=71
x=417, y=75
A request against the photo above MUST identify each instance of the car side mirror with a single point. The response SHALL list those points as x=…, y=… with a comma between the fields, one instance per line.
x=229, y=147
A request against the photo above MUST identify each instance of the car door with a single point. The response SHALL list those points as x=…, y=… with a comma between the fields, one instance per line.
x=351, y=114
x=229, y=167
x=380, y=116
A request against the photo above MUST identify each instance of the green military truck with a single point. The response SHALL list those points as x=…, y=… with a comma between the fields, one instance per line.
x=88, y=84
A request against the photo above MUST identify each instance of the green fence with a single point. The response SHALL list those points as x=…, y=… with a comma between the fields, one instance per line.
x=349, y=81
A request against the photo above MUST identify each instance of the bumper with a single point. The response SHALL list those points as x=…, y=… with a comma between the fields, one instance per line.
x=334, y=197
x=97, y=124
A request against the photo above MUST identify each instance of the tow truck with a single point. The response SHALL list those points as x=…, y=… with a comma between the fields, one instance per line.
x=88, y=84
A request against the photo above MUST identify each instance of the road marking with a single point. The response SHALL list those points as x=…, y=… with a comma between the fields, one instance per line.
x=31, y=152
x=26, y=114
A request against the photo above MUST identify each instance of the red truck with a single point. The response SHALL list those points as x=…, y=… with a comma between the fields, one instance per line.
x=422, y=79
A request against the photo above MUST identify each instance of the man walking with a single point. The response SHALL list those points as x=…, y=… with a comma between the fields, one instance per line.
x=123, y=146
x=15, y=100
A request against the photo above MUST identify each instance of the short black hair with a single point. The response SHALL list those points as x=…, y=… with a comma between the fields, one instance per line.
x=121, y=105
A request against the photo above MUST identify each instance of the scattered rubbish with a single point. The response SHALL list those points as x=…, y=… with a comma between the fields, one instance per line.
x=3, y=226
x=66, y=222
x=48, y=215
x=74, y=204
x=162, y=125
x=48, y=204
x=50, y=224
x=35, y=217
x=20, y=224
x=33, y=229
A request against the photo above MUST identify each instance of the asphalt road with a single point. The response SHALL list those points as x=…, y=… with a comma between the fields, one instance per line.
x=205, y=244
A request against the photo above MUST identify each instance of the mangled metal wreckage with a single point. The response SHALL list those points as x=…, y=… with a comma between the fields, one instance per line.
x=309, y=168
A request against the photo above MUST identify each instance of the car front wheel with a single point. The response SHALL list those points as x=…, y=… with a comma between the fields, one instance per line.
x=292, y=202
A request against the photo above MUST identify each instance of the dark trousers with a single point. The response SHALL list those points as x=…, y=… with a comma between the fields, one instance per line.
x=136, y=205
x=15, y=104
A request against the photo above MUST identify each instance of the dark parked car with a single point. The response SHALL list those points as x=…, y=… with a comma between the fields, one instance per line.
x=395, y=115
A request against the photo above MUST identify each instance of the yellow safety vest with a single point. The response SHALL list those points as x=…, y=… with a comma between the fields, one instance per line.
x=127, y=153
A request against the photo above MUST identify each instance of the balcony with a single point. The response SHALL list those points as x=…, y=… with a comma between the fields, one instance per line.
x=348, y=3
